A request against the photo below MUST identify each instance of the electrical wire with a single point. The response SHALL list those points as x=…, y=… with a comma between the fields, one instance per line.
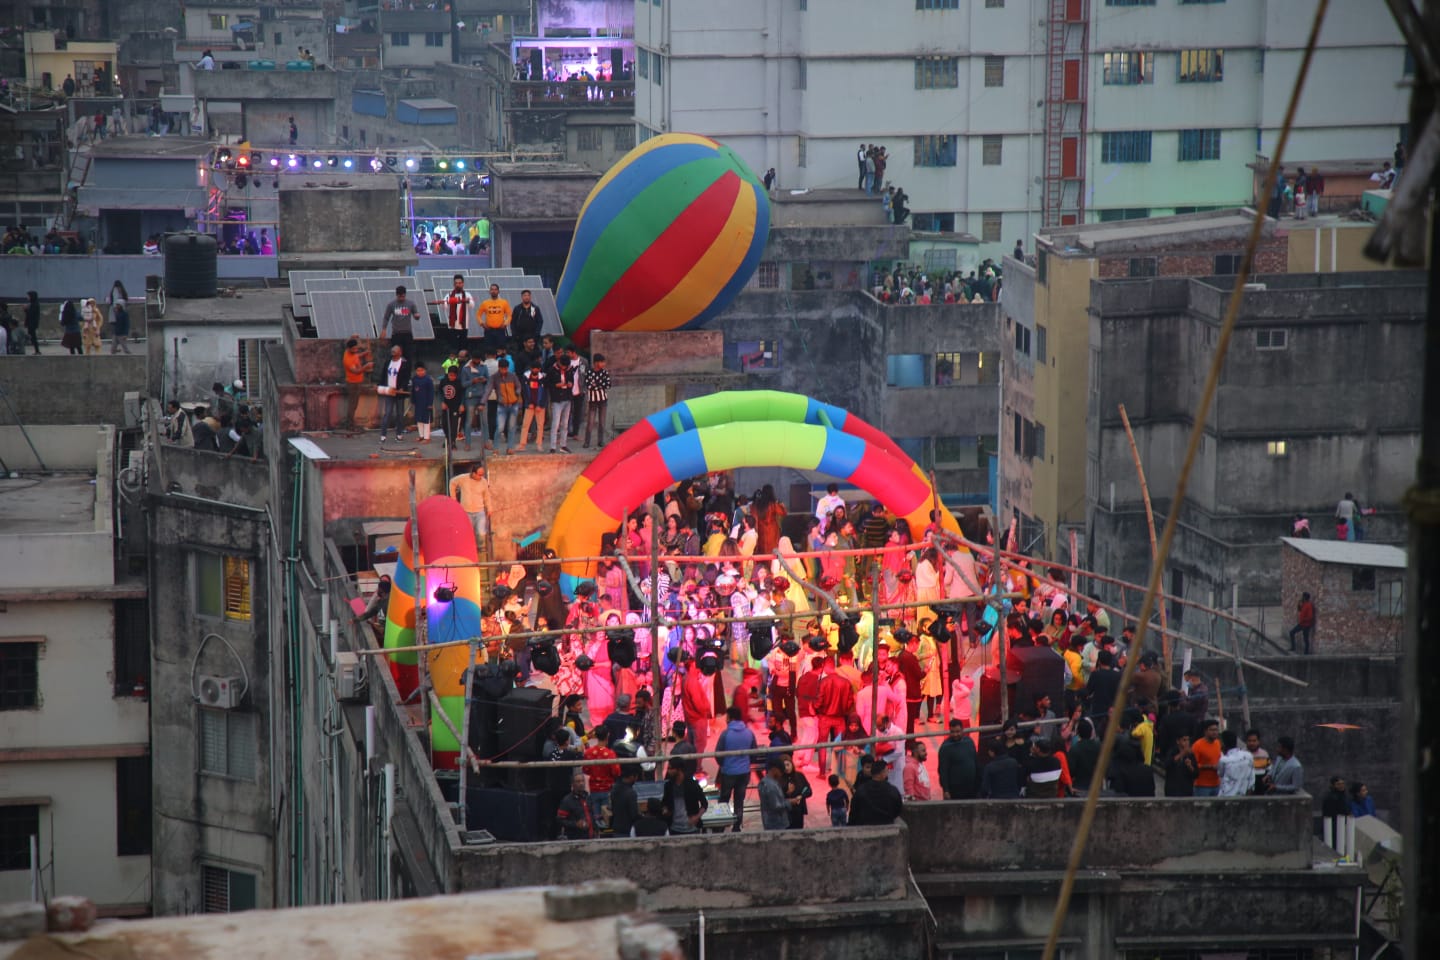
x=1197, y=432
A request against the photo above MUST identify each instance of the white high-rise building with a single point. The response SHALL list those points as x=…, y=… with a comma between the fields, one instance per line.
x=1001, y=115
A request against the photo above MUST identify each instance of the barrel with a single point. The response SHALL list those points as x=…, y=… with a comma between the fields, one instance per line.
x=190, y=265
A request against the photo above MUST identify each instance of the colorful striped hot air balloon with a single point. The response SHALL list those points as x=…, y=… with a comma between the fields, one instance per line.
x=665, y=240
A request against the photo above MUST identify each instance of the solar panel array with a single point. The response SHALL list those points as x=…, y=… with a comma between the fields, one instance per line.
x=299, y=302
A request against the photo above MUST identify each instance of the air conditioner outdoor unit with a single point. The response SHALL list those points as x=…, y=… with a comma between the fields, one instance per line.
x=222, y=692
x=349, y=676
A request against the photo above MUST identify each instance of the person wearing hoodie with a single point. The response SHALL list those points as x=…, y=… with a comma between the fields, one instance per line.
x=735, y=771
x=1237, y=767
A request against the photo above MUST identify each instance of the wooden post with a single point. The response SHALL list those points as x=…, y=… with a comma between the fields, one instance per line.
x=422, y=603
x=1150, y=524
x=1239, y=661
x=874, y=650
x=657, y=679
x=999, y=635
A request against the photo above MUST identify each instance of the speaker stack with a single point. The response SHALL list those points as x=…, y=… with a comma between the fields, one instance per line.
x=508, y=723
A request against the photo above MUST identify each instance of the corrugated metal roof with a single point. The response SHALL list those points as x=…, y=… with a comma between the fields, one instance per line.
x=1350, y=554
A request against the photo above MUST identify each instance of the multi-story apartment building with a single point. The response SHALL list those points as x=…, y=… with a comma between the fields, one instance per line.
x=1001, y=116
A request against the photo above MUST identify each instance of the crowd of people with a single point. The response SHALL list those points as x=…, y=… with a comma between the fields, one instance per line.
x=83, y=324
x=19, y=242
x=229, y=423
x=499, y=389
x=909, y=284
x=808, y=699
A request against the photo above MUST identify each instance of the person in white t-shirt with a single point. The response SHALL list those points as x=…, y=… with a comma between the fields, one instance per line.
x=827, y=505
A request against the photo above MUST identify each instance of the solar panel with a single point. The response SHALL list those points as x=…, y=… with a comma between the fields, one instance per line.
x=388, y=284
x=299, y=302
x=496, y=272
x=419, y=324
x=339, y=314
x=372, y=273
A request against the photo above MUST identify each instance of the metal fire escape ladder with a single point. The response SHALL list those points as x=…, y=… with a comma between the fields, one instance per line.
x=1067, y=50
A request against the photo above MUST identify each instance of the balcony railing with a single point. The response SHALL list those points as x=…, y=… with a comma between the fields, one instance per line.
x=570, y=95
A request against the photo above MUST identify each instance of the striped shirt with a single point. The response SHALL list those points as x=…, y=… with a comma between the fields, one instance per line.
x=597, y=385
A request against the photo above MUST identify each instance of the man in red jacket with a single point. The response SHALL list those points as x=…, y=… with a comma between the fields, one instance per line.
x=836, y=701
x=602, y=775
x=807, y=695
x=697, y=700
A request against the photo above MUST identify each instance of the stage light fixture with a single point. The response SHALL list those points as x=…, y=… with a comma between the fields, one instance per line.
x=849, y=635
x=445, y=592
x=222, y=155
x=543, y=655
x=317, y=163
x=584, y=663
x=241, y=181
x=790, y=647
x=242, y=161
x=274, y=162
x=410, y=163
x=333, y=161
x=276, y=183
x=376, y=165
x=391, y=160
x=459, y=164
x=443, y=165
x=621, y=646
x=762, y=638
x=294, y=161
x=348, y=164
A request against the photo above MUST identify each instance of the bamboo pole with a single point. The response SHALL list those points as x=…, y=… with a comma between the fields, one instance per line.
x=1150, y=526
x=422, y=602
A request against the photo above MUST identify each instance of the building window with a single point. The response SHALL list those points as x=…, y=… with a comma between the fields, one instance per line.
x=1129, y=3
x=907, y=370
x=589, y=138
x=227, y=743
x=1123, y=213
x=219, y=21
x=940, y=261
x=1022, y=339
x=1408, y=69
x=1029, y=439
x=802, y=148
x=991, y=149
x=1202, y=66
x=994, y=4
x=434, y=39
x=1185, y=2
x=18, y=824
x=1271, y=339
x=768, y=276
x=400, y=39
x=939, y=150
x=933, y=73
x=625, y=137
x=132, y=648
x=1199, y=145
x=990, y=227
x=1362, y=578
x=132, y=806
x=222, y=587
x=961, y=452
x=937, y=4
x=658, y=70
x=753, y=355
x=1144, y=266
x=643, y=64
x=1228, y=264
x=1041, y=343
x=1275, y=448
x=19, y=674
x=1391, y=598
x=994, y=71
x=226, y=891
x=801, y=75
x=1125, y=146
x=966, y=369
x=934, y=223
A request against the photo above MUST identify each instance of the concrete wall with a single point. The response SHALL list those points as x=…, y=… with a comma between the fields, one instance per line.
x=1235, y=833
x=107, y=379
x=186, y=359
x=79, y=551
x=813, y=867
x=60, y=277
x=207, y=818
x=338, y=214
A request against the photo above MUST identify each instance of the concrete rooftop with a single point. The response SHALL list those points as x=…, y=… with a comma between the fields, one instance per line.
x=366, y=446
x=1348, y=553
x=248, y=306
x=1092, y=238
x=45, y=505
x=141, y=147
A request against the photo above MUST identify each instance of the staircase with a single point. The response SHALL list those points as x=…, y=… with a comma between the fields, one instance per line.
x=75, y=177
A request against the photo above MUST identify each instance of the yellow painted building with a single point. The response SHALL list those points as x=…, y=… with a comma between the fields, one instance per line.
x=91, y=63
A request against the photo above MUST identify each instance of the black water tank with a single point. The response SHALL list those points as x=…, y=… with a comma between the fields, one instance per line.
x=190, y=266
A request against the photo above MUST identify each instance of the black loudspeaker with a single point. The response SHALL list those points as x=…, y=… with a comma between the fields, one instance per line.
x=990, y=699
x=617, y=63
x=510, y=815
x=487, y=686
x=537, y=65
x=1039, y=670
x=520, y=723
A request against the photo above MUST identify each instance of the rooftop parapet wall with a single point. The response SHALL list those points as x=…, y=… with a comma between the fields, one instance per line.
x=1231, y=834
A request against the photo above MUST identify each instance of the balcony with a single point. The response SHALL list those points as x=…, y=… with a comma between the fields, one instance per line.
x=571, y=95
